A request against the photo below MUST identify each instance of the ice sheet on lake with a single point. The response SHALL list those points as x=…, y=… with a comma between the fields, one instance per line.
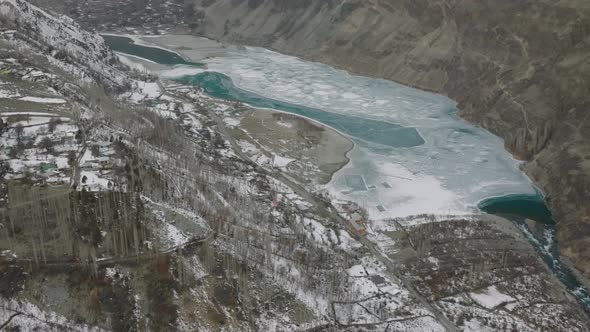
x=458, y=166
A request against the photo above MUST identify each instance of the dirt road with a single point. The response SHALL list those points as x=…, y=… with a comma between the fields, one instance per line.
x=326, y=210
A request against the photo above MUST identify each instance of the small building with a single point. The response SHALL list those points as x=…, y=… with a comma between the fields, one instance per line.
x=90, y=164
x=56, y=180
x=351, y=207
x=103, y=161
x=356, y=225
x=48, y=167
x=36, y=76
x=274, y=204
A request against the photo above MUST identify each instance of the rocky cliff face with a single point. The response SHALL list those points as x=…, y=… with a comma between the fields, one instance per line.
x=519, y=68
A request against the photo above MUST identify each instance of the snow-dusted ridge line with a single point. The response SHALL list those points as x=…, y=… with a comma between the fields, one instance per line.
x=41, y=100
x=64, y=42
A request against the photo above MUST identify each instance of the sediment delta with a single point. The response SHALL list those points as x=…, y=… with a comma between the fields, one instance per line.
x=318, y=151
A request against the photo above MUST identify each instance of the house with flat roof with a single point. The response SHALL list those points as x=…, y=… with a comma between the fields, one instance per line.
x=356, y=224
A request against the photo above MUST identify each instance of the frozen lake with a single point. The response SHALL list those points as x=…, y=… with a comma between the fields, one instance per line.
x=456, y=166
x=412, y=153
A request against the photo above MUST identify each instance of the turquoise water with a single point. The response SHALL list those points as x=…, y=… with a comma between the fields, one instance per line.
x=518, y=208
x=220, y=86
x=385, y=133
x=527, y=206
x=127, y=45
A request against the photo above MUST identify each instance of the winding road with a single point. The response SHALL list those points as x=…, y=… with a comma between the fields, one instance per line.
x=69, y=262
x=326, y=210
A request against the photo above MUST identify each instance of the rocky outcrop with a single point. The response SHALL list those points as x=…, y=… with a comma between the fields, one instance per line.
x=521, y=69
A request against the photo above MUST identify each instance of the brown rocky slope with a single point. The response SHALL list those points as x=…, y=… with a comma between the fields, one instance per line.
x=521, y=69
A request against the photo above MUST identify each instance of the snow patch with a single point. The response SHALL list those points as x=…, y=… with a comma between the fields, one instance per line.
x=43, y=100
x=490, y=297
x=279, y=161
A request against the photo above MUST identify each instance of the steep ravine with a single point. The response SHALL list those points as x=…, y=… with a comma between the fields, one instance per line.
x=521, y=69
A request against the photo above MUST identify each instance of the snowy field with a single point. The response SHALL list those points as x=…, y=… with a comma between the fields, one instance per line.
x=490, y=297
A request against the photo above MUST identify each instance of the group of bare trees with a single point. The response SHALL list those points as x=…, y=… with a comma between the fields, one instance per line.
x=55, y=224
x=165, y=166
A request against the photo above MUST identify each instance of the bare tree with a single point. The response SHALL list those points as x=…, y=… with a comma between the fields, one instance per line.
x=47, y=144
x=53, y=124
x=95, y=150
x=17, y=150
x=18, y=129
x=72, y=158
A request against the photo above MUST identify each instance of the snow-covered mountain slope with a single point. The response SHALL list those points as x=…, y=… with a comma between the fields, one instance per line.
x=75, y=50
x=159, y=209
